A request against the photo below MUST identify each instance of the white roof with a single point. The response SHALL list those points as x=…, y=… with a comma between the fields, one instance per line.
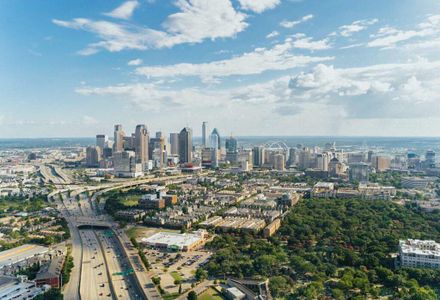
x=173, y=239
x=420, y=247
x=21, y=253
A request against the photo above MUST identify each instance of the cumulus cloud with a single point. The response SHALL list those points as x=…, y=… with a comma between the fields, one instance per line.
x=196, y=21
x=408, y=90
x=356, y=26
x=124, y=11
x=389, y=37
x=304, y=42
x=88, y=120
x=272, y=34
x=279, y=57
x=258, y=6
x=135, y=62
x=291, y=24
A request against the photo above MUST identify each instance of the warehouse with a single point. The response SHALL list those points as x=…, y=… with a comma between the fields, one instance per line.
x=176, y=241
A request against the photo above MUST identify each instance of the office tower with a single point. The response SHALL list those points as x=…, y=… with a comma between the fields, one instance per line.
x=356, y=157
x=430, y=159
x=119, y=135
x=93, y=156
x=258, y=156
x=381, y=163
x=205, y=134
x=161, y=153
x=335, y=167
x=174, y=141
x=216, y=139
x=124, y=164
x=304, y=159
x=129, y=142
x=185, y=145
x=231, y=150
x=322, y=160
x=101, y=141
x=279, y=162
x=370, y=156
x=207, y=156
x=215, y=157
x=159, y=134
x=359, y=171
x=141, y=140
x=293, y=156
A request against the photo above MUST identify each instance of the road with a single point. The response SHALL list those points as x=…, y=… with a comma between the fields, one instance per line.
x=91, y=248
x=94, y=276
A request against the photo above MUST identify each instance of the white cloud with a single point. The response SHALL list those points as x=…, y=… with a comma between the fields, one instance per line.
x=304, y=42
x=356, y=26
x=258, y=6
x=124, y=11
x=135, y=62
x=291, y=24
x=88, y=120
x=389, y=37
x=407, y=90
x=196, y=21
x=272, y=34
x=279, y=57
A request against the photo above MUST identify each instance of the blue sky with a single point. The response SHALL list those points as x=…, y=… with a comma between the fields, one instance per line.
x=248, y=67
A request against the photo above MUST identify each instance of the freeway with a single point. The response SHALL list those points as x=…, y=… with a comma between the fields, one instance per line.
x=94, y=276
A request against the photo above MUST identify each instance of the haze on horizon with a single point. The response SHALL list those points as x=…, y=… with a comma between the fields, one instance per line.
x=251, y=68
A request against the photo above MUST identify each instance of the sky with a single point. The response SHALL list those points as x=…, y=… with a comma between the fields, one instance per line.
x=248, y=67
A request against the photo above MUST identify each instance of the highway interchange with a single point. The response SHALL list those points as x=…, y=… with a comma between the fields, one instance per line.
x=106, y=265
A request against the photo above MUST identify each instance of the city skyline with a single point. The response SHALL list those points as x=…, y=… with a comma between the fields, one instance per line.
x=280, y=68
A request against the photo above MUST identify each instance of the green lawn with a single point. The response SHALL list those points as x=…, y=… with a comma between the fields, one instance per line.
x=176, y=276
x=170, y=296
x=210, y=294
x=131, y=200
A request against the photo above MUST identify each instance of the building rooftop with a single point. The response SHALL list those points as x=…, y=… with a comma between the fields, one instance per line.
x=420, y=247
x=21, y=253
x=173, y=239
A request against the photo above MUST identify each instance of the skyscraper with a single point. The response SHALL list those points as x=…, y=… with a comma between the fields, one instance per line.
x=119, y=134
x=258, y=156
x=205, y=134
x=174, y=142
x=185, y=145
x=231, y=149
x=141, y=144
x=101, y=141
x=216, y=139
x=93, y=156
x=279, y=162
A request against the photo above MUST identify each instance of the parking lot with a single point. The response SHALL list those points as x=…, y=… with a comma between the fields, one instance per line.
x=171, y=267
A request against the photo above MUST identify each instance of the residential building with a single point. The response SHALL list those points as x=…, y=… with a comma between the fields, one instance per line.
x=419, y=254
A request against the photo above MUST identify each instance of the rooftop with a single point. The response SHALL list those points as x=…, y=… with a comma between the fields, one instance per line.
x=420, y=247
x=21, y=253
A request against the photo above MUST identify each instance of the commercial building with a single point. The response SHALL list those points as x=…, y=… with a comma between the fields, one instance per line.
x=177, y=241
x=359, y=171
x=19, y=288
x=93, y=156
x=124, y=164
x=170, y=200
x=324, y=190
x=205, y=134
x=101, y=141
x=279, y=162
x=19, y=255
x=50, y=273
x=381, y=163
x=216, y=141
x=418, y=183
x=258, y=156
x=118, y=139
x=151, y=201
x=185, y=145
x=419, y=254
x=174, y=142
x=231, y=150
x=141, y=145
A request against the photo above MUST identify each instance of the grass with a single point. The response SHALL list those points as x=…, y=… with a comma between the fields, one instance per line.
x=130, y=200
x=170, y=296
x=176, y=276
x=210, y=294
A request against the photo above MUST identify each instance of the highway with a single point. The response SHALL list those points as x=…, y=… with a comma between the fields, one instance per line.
x=94, y=275
x=105, y=265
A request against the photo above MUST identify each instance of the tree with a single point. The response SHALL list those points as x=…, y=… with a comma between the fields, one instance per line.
x=192, y=295
x=201, y=274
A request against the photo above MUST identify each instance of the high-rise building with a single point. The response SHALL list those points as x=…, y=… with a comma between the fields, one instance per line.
x=93, y=156
x=216, y=139
x=359, y=171
x=279, y=162
x=322, y=160
x=174, y=142
x=231, y=150
x=124, y=164
x=258, y=156
x=293, y=156
x=205, y=134
x=101, y=141
x=119, y=135
x=129, y=142
x=185, y=145
x=381, y=162
x=141, y=144
x=430, y=159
